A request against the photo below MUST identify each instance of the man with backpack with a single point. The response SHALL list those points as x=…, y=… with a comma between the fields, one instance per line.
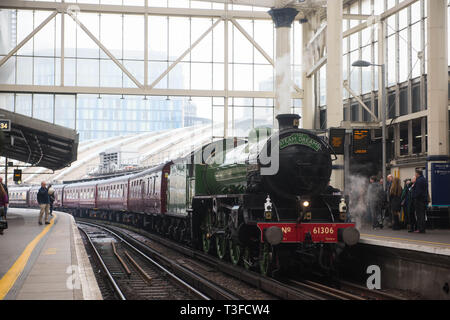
x=44, y=202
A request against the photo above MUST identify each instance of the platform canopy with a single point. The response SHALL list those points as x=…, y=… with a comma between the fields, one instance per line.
x=38, y=143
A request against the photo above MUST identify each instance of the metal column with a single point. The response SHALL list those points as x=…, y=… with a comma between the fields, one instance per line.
x=335, y=108
x=283, y=19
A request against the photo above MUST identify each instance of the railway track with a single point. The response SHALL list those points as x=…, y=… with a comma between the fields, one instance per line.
x=289, y=289
x=144, y=283
x=369, y=294
x=322, y=291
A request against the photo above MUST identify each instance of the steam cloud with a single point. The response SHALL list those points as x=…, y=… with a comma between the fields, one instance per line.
x=284, y=89
x=357, y=192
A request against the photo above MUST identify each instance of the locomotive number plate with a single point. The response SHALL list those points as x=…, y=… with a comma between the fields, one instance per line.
x=323, y=230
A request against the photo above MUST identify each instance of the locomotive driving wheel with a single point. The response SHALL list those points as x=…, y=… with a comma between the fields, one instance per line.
x=247, y=258
x=235, y=252
x=265, y=259
x=221, y=246
x=206, y=241
x=206, y=233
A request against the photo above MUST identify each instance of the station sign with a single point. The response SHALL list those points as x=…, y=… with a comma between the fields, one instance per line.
x=337, y=140
x=361, y=141
x=5, y=125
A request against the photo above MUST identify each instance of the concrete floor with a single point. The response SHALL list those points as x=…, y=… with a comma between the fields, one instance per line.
x=433, y=241
x=44, y=262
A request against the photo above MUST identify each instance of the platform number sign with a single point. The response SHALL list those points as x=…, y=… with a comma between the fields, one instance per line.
x=5, y=125
x=17, y=175
x=361, y=140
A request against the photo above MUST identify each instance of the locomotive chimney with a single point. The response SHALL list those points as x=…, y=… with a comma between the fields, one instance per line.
x=288, y=121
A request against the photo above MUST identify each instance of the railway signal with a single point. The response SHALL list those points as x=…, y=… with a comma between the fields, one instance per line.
x=17, y=176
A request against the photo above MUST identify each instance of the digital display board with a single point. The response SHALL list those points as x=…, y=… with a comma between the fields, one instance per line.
x=361, y=141
x=337, y=140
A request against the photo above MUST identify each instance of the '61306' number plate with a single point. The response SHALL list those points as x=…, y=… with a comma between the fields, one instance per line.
x=323, y=230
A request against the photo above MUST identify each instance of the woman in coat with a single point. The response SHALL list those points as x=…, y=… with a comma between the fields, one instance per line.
x=395, y=197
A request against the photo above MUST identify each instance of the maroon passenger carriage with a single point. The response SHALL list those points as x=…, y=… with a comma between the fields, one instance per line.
x=58, y=195
x=112, y=197
x=32, y=197
x=19, y=197
x=79, y=196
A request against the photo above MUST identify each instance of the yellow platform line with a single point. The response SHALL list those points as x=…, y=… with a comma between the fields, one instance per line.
x=8, y=280
x=408, y=240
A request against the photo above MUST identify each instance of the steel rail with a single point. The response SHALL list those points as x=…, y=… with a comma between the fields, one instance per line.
x=124, y=265
x=102, y=263
x=268, y=285
x=152, y=261
x=326, y=290
x=384, y=295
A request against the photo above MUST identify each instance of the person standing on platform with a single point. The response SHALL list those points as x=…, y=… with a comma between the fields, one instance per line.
x=44, y=203
x=406, y=201
x=7, y=194
x=51, y=196
x=412, y=209
x=395, y=194
x=3, y=205
x=420, y=196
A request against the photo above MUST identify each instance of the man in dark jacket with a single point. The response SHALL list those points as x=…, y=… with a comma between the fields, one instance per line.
x=412, y=209
x=420, y=198
x=44, y=203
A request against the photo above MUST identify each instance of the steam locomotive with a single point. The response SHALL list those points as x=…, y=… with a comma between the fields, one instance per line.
x=259, y=202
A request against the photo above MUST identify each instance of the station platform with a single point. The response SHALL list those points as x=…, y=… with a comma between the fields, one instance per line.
x=44, y=262
x=433, y=241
